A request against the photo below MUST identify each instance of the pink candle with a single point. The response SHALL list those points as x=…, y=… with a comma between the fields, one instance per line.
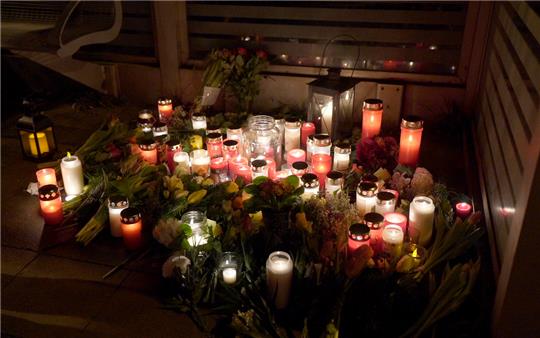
x=463, y=210
x=321, y=165
x=307, y=129
x=282, y=174
x=218, y=163
x=165, y=109
x=295, y=155
x=244, y=171
x=230, y=149
x=50, y=204
x=396, y=218
x=234, y=163
x=131, y=225
x=46, y=176
x=372, y=112
x=148, y=152
x=172, y=149
x=214, y=144
x=271, y=168
x=409, y=142
x=375, y=223
x=358, y=236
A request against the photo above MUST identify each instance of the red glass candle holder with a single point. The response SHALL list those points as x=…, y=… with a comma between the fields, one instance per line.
x=131, y=224
x=173, y=147
x=396, y=218
x=358, y=235
x=165, y=109
x=409, y=142
x=372, y=112
x=46, y=176
x=148, y=151
x=307, y=129
x=295, y=155
x=214, y=145
x=463, y=210
x=50, y=204
x=321, y=164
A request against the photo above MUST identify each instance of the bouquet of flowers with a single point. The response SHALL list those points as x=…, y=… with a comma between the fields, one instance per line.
x=377, y=152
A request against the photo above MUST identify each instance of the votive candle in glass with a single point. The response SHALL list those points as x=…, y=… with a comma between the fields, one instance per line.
x=173, y=147
x=235, y=162
x=392, y=237
x=200, y=162
x=342, y=157
x=145, y=120
x=197, y=222
x=229, y=268
x=214, y=144
x=386, y=202
x=310, y=182
x=131, y=224
x=72, y=174
x=321, y=164
x=396, y=218
x=321, y=145
x=463, y=210
x=244, y=171
x=410, y=139
x=372, y=112
x=334, y=182
x=279, y=273
x=299, y=168
x=50, y=204
x=236, y=133
x=366, y=197
x=282, y=174
x=309, y=147
x=416, y=254
x=116, y=204
x=421, y=215
x=148, y=151
x=395, y=192
x=307, y=130
x=165, y=109
x=160, y=129
x=219, y=169
x=358, y=235
x=181, y=162
x=46, y=176
x=198, y=121
x=259, y=168
x=292, y=134
x=230, y=149
x=375, y=222
x=295, y=155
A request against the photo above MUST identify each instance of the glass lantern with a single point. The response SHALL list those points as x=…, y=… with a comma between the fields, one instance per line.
x=36, y=135
x=230, y=268
x=263, y=139
x=331, y=101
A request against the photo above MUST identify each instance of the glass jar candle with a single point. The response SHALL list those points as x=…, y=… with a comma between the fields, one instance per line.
x=358, y=236
x=392, y=237
x=259, y=168
x=197, y=222
x=173, y=147
x=366, y=197
x=219, y=170
x=230, y=149
x=321, y=164
x=46, y=176
x=200, y=162
x=310, y=182
x=271, y=168
x=198, y=121
x=236, y=162
x=212, y=130
x=421, y=215
x=409, y=141
x=236, y=133
x=292, y=134
x=375, y=222
x=145, y=120
x=214, y=144
x=463, y=210
x=244, y=171
x=229, y=268
x=321, y=144
x=307, y=130
x=116, y=204
x=160, y=129
x=386, y=202
x=279, y=273
x=299, y=168
x=50, y=204
x=334, y=182
x=148, y=151
x=309, y=147
x=280, y=124
x=295, y=155
x=131, y=224
x=415, y=254
x=395, y=192
x=342, y=157
x=372, y=112
x=262, y=139
x=181, y=162
x=396, y=218
x=161, y=147
x=165, y=109
x=72, y=174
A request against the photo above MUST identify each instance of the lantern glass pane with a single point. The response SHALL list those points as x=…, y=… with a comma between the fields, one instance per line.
x=344, y=116
x=50, y=139
x=323, y=107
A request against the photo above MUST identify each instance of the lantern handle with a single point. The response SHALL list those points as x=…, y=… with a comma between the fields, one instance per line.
x=332, y=40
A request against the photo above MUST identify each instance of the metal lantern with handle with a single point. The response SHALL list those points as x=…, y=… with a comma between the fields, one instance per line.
x=36, y=135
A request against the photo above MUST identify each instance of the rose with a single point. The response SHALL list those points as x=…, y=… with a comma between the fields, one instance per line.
x=175, y=261
x=242, y=51
x=261, y=54
x=167, y=231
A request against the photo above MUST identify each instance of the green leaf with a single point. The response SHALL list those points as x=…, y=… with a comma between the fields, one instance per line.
x=260, y=179
x=292, y=180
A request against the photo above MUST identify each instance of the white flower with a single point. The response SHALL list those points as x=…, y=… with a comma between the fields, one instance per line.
x=422, y=182
x=167, y=231
x=175, y=261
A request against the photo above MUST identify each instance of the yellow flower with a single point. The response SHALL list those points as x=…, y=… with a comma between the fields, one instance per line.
x=257, y=218
x=196, y=196
x=232, y=188
x=196, y=141
x=303, y=223
x=208, y=182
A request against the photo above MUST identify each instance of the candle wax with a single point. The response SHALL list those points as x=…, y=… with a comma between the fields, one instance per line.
x=72, y=175
x=396, y=218
x=371, y=123
x=46, y=176
x=229, y=275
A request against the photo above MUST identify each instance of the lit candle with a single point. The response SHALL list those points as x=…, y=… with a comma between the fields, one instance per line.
x=41, y=143
x=463, y=210
x=116, y=205
x=198, y=121
x=321, y=144
x=259, y=168
x=295, y=155
x=342, y=157
x=308, y=129
x=299, y=168
x=46, y=176
x=148, y=151
x=230, y=149
x=244, y=171
x=392, y=237
x=50, y=204
x=279, y=272
x=416, y=255
x=366, y=197
x=421, y=214
x=165, y=109
x=321, y=165
x=311, y=185
x=145, y=120
x=196, y=221
x=375, y=223
x=358, y=236
x=230, y=267
x=229, y=275
x=396, y=218
x=219, y=169
x=173, y=147
x=131, y=225
x=282, y=174
x=160, y=129
x=372, y=112
x=386, y=202
x=181, y=161
x=200, y=162
x=214, y=144
x=292, y=134
x=72, y=174
x=236, y=133
x=234, y=163
x=334, y=182
x=409, y=142
x=395, y=192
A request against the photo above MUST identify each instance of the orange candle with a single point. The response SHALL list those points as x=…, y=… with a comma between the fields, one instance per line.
x=173, y=147
x=165, y=109
x=46, y=176
x=409, y=143
x=321, y=164
x=148, y=151
x=372, y=112
x=50, y=203
x=131, y=224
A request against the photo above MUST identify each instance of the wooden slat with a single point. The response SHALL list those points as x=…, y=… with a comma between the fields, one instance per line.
x=529, y=17
x=329, y=14
x=321, y=32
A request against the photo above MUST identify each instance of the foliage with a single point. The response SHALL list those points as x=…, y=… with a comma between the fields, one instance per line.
x=272, y=195
x=377, y=152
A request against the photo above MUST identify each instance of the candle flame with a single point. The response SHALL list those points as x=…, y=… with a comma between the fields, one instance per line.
x=415, y=253
x=372, y=118
x=410, y=138
x=68, y=154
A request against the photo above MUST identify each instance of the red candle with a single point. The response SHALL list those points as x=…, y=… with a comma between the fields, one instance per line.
x=396, y=218
x=148, y=151
x=463, y=210
x=131, y=224
x=230, y=149
x=321, y=165
x=375, y=223
x=165, y=109
x=214, y=145
x=234, y=163
x=358, y=236
x=46, y=176
x=50, y=204
x=295, y=155
x=172, y=148
x=372, y=112
x=409, y=142
x=244, y=171
x=307, y=129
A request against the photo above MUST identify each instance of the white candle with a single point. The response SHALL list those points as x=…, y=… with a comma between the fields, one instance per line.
x=342, y=155
x=72, y=175
x=334, y=182
x=181, y=161
x=366, y=198
x=292, y=134
x=392, y=237
x=386, y=202
x=116, y=205
x=229, y=275
x=200, y=162
x=198, y=121
x=421, y=214
x=279, y=271
x=311, y=185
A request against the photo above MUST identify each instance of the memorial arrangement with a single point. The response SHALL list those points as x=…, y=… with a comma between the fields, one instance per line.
x=277, y=227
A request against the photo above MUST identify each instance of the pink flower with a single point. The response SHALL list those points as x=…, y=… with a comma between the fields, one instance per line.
x=242, y=51
x=261, y=54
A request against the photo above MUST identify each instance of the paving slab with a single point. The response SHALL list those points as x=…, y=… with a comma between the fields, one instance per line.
x=13, y=261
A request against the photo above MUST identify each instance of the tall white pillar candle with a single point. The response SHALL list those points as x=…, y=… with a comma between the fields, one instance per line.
x=421, y=214
x=279, y=272
x=366, y=197
x=72, y=175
